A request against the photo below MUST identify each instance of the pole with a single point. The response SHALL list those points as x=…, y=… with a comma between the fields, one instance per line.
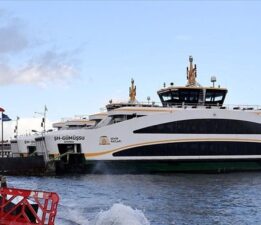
x=2, y=135
x=45, y=112
x=44, y=117
x=16, y=130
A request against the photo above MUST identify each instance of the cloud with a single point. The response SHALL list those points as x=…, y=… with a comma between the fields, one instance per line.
x=24, y=62
x=43, y=70
x=12, y=38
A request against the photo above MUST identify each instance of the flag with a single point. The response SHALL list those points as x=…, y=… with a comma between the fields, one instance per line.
x=5, y=117
x=45, y=108
x=43, y=121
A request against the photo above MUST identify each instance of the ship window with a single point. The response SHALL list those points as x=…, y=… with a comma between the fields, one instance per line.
x=205, y=126
x=205, y=148
x=121, y=118
x=189, y=96
x=218, y=97
x=175, y=95
x=215, y=96
x=166, y=97
x=179, y=96
x=118, y=119
x=134, y=115
x=106, y=121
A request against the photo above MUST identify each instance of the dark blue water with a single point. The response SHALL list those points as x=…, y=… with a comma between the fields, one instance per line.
x=153, y=199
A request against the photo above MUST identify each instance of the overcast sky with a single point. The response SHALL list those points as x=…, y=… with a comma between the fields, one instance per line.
x=74, y=56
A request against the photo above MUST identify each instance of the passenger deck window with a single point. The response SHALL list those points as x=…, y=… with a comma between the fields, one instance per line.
x=205, y=126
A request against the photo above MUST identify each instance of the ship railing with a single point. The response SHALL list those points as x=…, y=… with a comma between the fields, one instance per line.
x=194, y=105
x=243, y=107
x=19, y=206
x=115, y=105
x=6, y=153
x=217, y=106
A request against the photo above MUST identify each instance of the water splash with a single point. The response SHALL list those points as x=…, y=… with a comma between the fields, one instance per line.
x=120, y=214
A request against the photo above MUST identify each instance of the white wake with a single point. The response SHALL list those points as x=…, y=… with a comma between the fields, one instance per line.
x=120, y=214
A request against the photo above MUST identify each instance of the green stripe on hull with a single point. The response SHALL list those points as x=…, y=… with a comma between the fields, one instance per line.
x=169, y=166
x=78, y=164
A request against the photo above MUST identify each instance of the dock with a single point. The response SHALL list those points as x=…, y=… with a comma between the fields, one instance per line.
x=39, y=166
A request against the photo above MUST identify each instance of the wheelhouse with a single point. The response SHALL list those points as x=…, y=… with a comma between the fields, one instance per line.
x=193, y=93
x=174, y=96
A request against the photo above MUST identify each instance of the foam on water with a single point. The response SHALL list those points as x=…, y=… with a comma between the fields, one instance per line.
x=120, y=214
x=72, y=216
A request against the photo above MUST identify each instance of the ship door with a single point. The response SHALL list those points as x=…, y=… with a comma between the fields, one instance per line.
x=73, y=148
x=31, y=149
x=68, y=148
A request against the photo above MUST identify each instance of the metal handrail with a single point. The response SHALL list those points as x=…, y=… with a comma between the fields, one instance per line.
x=61, y=155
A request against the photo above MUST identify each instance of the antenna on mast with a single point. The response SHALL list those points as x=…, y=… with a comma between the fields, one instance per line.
x=132, y=91
x=191, y=73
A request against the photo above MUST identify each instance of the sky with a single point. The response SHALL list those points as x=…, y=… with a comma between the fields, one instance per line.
x=74, y=56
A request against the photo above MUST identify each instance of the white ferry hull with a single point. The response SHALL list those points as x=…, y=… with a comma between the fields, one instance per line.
x=136, y=145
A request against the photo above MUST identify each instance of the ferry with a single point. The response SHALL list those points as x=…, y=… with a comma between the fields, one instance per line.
x=192, y=131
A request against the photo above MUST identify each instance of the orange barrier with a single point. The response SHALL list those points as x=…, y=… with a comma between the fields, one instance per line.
x=20, y=207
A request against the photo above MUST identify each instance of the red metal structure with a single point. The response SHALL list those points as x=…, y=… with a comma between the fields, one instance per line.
x=20, y=207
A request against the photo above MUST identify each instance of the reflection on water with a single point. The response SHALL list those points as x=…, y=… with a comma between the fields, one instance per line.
x=153, y=199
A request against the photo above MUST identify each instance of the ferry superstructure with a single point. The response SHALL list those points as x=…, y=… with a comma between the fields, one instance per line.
x=25, y=145
x=193, y=131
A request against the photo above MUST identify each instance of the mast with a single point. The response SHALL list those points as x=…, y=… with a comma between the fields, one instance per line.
x=132, y=92
x=191, y=73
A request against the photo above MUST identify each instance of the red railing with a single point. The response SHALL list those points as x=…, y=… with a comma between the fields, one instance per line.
x=20, y=207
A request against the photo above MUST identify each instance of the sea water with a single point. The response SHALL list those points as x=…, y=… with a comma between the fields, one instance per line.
x=233, y=198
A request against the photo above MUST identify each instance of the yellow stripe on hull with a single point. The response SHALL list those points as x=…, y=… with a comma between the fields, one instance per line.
x=94, y=154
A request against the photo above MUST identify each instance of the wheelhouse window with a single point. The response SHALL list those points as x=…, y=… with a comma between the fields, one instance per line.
x=189, y=96
x=179, y=96
x=215, y=97
x=192, y=96
x=166, y=97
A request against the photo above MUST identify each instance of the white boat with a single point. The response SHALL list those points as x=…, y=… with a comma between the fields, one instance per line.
x=24, y=145
x=192, y=131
